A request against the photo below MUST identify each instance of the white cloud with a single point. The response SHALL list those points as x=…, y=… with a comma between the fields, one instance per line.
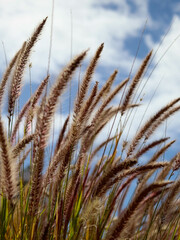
x=168, y=67
x=92, y=25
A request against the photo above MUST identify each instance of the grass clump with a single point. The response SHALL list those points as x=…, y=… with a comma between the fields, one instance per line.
x=75, y=198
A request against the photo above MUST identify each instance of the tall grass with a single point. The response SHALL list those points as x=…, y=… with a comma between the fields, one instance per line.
x=81, y=195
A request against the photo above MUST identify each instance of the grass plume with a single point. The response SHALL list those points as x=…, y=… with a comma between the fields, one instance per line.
x=65, y=184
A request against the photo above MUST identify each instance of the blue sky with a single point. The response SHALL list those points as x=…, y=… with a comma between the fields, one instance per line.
x=83, y=24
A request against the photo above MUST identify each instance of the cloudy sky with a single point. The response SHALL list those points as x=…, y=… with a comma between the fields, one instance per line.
x=82, y=24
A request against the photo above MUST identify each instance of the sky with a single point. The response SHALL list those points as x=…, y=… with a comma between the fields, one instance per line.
x=83, y=24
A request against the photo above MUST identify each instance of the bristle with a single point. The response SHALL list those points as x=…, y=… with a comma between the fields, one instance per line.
x=113, y=94
x=19, y=71
x=75, y=187
x=13, y=91
x=134, y=83
x=61, y=135
x=112, y=173
x=177, y=163
x=143, y=180
x=102, y=145
x=159, y=121
x=169, y=200
x=70, y=204
x=115, y=232
x=149, y=146
x=19, y=119
x=152, y=124
x=8, y=168
x=56, y=91
x=164, y=172
x=21, y=161
x=6, y=76
x=18, y=74
x=105, y=89
x=22, y=144
x=120, y=191
x=160, y=152
x=98, y=121
x=126, y=173
x=86, y=80
x=33, y=101
x=86, y=109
